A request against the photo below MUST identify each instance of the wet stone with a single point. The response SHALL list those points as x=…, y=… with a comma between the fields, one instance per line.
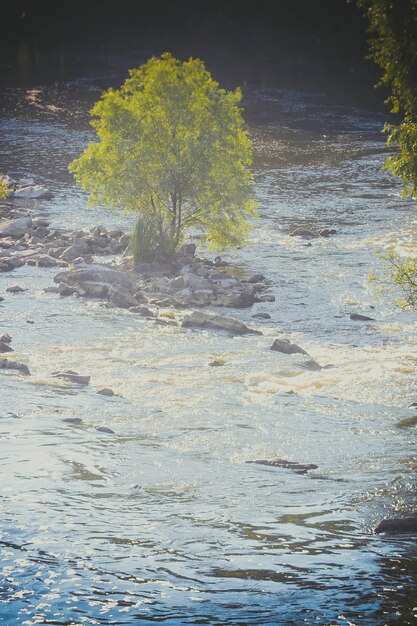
x=106, y=392
x=299, y=468
x=104, y=429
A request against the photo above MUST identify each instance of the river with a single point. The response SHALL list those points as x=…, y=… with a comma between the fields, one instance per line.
x=164, y=521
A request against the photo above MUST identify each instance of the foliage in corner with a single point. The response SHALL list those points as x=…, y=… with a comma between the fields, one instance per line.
x=172, y=148
x=393, y=46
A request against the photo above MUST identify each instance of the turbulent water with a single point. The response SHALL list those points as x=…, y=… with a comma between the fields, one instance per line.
x=164, y=521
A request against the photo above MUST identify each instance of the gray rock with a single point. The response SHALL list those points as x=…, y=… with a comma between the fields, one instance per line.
x=104, y=429
x=106, y=392
x=326, y=232
x=15, y=228
x=44, y=260
x=188, y=249
x=357, y=317
x=14, y=365
x=72, y=377
x=5, y=347
x=304, y=233
x=97, y=273
x=398, y=525
x=75, y=251
x=121, y=297
x=262, y=316
x=5, y=338
x=142, y=310
x=15, y=289
x=286, y=347
x=73, y=420
x=198, y=319
x=256, y=278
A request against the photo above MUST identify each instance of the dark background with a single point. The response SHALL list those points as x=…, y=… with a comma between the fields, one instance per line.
x=317, y=45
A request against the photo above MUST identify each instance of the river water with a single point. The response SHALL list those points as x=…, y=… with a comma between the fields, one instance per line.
x=164, y=521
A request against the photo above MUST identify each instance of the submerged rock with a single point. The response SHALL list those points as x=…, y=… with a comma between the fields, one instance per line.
x=72, y=377
x=198, y=319
x=286, y=347
x=398, y=525
x=262, y=316
x=73, y=420
x=299, y=468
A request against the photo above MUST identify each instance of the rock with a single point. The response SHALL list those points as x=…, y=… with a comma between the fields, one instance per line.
x=15, y=289
x=304, y=233
x=4, y=347
x=106, y=392
x=286, y=347
x=98, y=273
x=398, y=525
x=15, y=228
x=217, y=363
x=121, y=297
x=14, y=365
x=357, y=317
x=32, y=192
x=188, y=249
x=256, y=278
x=326, y=232
x=262, y=316
x=407, y=421
x=5, y=338
x=413, y=404
x=299, y=468
x=177, y=283
x=142, y=310
x=268, y=297
x=44, y=260
x=74, y=251
x=94, y=290
x=235, y=299
x=51, y=290
x=104, y=429
x=72, y=377
x=73, y=420
x=198, y=319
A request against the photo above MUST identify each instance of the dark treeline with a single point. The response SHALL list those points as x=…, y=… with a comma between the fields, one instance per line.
x=309, y=44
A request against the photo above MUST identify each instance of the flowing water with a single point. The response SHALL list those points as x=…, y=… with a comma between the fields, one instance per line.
x=164, y=521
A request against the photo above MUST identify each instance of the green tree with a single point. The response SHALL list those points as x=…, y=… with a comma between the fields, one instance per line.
x=393, y=46
x=172, y=148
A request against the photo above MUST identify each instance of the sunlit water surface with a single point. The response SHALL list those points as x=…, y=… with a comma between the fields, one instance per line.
x=164, y=521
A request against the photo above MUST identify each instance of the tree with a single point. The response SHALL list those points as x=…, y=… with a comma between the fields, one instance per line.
x=172, y=148
x=394, y=48
x=4, y=187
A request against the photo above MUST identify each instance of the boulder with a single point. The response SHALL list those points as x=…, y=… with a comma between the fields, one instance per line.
x=142, y=310
x=32, y=192
x=94, y=290
x=199, y=319
x=5, y=347
x=188, y=249
x=286, y=347
x=15, y=228
x=398, y=525
x=106, y=392
x=256, y=278
x=357, y=317
x=99, y=274
x=14, y=365
x=121, y=297
x=5, y=338
x=304, y=233
x=44, y=260
x=75, y=251
x=15, y=289
x=104, y=429
x=326, y=232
